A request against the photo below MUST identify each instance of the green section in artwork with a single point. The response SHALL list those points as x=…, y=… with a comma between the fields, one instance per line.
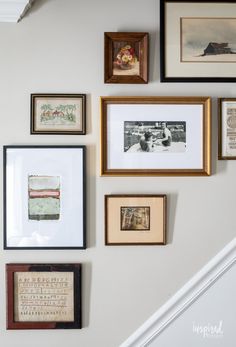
x=43, y=182
x=44, y=207
x=61, y=114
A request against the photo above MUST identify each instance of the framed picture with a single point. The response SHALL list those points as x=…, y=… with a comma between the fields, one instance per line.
x=58, y=114
x=126, y=57
x=156, y=136
x=43, y=296
x=198, y=41
x=44, y=197
x=227, y=128
x=135, y=219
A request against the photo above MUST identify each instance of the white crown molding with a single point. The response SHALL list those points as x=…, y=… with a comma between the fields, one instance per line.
x=184, y=298
x=14, y=10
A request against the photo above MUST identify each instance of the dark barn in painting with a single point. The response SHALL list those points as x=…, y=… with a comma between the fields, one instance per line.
x=214, y=48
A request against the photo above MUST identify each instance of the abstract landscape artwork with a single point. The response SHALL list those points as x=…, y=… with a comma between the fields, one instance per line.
x=208, y=40
x=44, y=197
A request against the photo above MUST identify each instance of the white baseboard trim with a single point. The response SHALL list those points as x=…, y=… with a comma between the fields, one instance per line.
x=189, y=293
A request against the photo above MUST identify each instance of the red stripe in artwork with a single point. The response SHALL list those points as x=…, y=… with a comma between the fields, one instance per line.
x=44, y=194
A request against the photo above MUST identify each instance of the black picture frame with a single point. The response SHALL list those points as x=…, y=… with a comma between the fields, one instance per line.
x=68, y=231
x=55, y=102
x=197, y=77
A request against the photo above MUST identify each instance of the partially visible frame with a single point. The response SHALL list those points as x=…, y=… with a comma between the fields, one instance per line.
x=125, y=57
x=43, y=296
x=197, y=41
x=155, y=136
x=135, y=219
x=227, y=129
x=58, y=114
x=44, y=197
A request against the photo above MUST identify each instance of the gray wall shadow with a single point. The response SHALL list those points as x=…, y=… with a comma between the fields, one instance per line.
x=171, y=212
x=86, y=293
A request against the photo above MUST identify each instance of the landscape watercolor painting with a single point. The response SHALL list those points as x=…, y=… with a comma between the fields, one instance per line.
x=43, y=197
x=58, y=114
x=208, y=40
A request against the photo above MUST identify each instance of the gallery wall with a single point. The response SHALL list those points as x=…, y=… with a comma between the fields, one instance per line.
x=58, y=48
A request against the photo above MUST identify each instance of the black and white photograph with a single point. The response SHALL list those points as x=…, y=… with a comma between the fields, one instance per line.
x=152, y=137
x=135, y=218
x=155, y=135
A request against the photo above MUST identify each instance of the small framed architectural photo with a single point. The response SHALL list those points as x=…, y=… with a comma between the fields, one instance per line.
x=43, y=296
x=155, y=136
x=58, y=114
x=44, y=197
x=198, y=40
x=126, y=57
x=135, y=219
x=227, y=128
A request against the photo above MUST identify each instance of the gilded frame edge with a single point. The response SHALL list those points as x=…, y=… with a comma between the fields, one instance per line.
x=207, y=136
x=163, y=196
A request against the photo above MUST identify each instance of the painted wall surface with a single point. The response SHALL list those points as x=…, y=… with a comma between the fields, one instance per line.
x=209, y=322
x=58, y=48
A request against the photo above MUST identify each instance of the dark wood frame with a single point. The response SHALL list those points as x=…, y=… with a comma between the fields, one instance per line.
x=163, y=76
x=33, y=131
x=114, y=196
x=5, y=148
x=75, y=268
x=137, y=37
x=206, y=141
x=220, y=120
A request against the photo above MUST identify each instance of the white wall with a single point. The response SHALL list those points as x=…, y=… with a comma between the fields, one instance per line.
x=58, y=47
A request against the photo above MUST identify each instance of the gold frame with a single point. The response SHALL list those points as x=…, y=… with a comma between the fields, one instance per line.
x=156, y=235
x=195, y=100
x=220, y=120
